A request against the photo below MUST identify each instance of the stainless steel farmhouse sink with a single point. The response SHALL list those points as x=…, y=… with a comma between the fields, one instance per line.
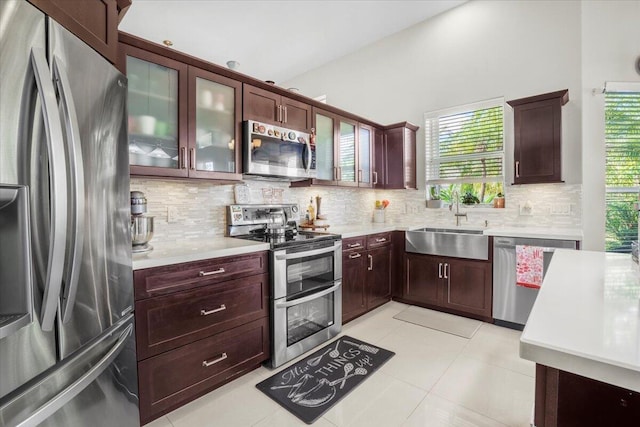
x=470, y=244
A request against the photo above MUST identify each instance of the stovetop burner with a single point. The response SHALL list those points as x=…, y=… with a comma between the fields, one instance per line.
x=265, y=223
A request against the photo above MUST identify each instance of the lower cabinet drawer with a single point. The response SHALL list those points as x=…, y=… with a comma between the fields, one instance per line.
x=166, y=322
x=171, y=379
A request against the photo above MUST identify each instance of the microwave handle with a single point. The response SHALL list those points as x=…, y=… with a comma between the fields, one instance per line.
x=308, y=166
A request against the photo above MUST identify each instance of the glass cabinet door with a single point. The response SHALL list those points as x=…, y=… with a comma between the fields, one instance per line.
x=153, y=114
x=325, y=166
x=214, y=124
x=215, y=127
x=364, y=155
x=347, y=153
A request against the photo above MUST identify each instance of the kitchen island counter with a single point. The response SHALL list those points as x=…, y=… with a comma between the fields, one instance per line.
x=167, y=253
x=586, y=319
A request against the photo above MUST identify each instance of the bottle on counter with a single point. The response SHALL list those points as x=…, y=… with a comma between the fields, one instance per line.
x=312, y=211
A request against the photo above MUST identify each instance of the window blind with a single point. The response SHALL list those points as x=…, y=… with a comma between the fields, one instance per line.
x=622, y=139
x=465, y=144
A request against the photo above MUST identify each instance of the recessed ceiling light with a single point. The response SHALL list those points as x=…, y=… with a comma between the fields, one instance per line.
x=233, y=64
x=167, y=43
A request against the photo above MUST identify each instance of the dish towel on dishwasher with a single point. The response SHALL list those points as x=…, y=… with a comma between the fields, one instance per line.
x=529, y=266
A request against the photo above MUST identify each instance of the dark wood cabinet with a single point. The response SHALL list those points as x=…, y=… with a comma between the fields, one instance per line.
x=366, y=274
x=354, y=301
x=272, y=108
x=93, y=21
x=455, y=285
x=198, y=325
x=399, y=157
x=538, y=138
x=379, y=176
x=183, y=121
x=169, y=380
x=564, y=399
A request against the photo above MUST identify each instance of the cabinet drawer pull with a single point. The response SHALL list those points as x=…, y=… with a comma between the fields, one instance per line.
x=381, y=239
x=210, y=273
x=285, y=113
x=354, y=245
x=370, y=263
x=215, y=310
x=206, y=363
x=352, y=256
x=193, y=159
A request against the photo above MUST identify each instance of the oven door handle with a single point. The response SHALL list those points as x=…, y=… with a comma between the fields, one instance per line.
x=297, y=255
x=320, y=294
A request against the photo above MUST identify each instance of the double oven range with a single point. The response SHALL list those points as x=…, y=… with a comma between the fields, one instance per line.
x=306, y=277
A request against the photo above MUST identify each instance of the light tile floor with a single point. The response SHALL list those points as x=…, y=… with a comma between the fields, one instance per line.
x=434, y=380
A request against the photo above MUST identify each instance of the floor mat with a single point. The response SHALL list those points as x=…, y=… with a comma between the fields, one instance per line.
x=312, y=386
x=437, y=320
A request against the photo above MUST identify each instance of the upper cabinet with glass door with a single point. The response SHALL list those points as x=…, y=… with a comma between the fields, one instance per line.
x=347, y=153
x=156, y=102
x=365, y=155
x=214, y=126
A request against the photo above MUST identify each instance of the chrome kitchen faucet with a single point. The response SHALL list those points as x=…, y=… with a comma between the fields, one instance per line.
x=456, y=195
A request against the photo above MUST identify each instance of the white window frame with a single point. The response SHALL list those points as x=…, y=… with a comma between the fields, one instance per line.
x=431, y=121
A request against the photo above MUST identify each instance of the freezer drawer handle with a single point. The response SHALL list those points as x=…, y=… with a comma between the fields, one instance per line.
x=206, y=363
x=58, y=190
x=65, y=396
x=211, y=273
x=215, y=310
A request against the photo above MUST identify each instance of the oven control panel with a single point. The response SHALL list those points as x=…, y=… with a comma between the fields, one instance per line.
x=262, y=214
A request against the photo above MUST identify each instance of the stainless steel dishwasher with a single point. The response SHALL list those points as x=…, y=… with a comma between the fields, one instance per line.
x=511, y=303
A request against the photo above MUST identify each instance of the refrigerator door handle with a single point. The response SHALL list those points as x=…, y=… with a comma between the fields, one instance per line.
x=66, y=395
x=58, y=189
x=76, y=195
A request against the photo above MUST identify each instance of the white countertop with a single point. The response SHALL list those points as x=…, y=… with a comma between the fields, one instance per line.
x=586, y=319
x=195, y=250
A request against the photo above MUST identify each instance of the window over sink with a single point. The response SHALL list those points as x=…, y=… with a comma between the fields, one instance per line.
x=465, y=151
x=622, y=140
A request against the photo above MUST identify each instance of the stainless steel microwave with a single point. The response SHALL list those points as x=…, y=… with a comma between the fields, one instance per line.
x=278, y=152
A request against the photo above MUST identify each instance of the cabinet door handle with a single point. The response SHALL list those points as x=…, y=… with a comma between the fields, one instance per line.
x=193, y=158
x=446, y=276
x=207, y=363
x=354, y=245
x=339, y=173
x=440, y=270
x=359, y=175
x=518, y=169
x=381, y=239
x=375, y=178
x=215, y=310
x=446, y=270
x=335, y=173
x=352, y=256
x=183, y=158
x=285, y=113
x=211, y=273
x=370, y=262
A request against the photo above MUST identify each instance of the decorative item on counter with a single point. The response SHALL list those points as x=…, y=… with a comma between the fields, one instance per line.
x=434, y=202
x=141, y=224
x=318, y=201
x=311, y=212
x=498, y=201
x=378, y=212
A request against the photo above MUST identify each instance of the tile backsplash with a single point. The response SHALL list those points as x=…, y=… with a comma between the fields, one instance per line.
x=197, y=209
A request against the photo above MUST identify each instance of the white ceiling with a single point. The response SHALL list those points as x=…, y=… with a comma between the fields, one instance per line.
x=274, y=40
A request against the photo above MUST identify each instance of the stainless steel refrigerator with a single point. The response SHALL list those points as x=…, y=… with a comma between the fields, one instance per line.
x=67, y=348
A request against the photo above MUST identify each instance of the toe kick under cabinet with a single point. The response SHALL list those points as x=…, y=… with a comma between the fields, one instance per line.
x=199, y=325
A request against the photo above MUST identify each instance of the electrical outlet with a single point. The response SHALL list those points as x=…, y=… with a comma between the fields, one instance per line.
x=172, y=214
x=526, y=209
x=561, y=209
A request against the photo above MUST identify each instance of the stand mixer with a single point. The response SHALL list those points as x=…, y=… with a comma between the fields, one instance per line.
x=141, y=225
